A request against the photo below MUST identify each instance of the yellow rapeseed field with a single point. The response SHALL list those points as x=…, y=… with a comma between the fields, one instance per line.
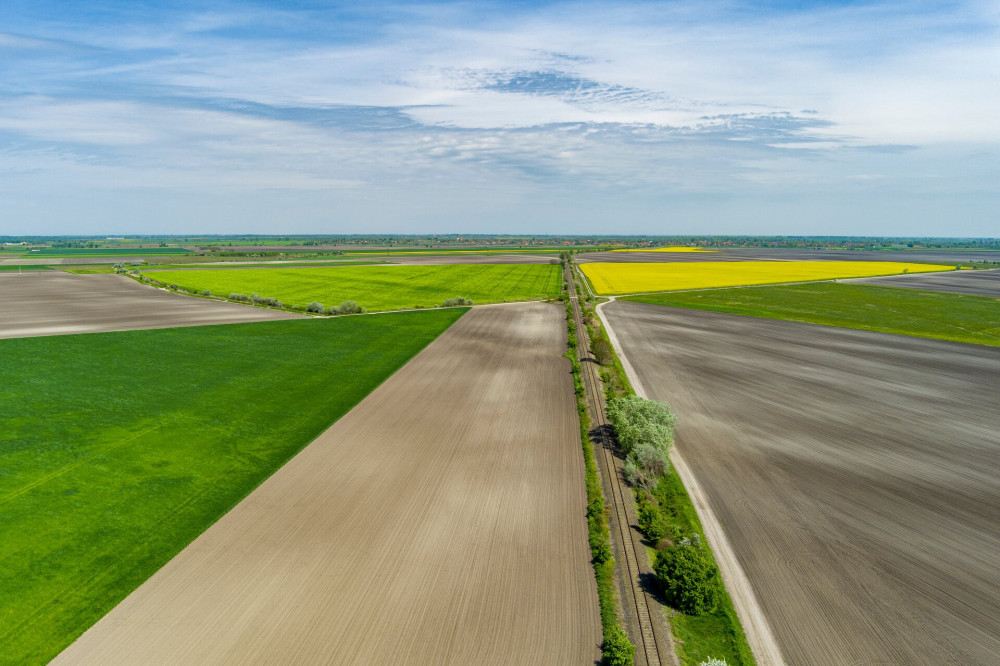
x=627, y=278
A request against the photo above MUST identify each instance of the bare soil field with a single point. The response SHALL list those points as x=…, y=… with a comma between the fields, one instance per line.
x=975, y=283
x=789, y=254
x=441, y=521
x=59, y=261
x=56, y=303
x=854, y=473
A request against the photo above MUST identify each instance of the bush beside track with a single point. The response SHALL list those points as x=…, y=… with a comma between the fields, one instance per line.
x=668, y=519
x=616, y=648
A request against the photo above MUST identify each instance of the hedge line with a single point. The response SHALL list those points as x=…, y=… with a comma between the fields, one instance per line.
x=616, y=648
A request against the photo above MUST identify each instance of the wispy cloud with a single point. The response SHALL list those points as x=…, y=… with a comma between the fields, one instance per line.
x=643, y=100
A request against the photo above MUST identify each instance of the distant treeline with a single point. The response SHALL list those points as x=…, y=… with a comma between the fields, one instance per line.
x=502, y=240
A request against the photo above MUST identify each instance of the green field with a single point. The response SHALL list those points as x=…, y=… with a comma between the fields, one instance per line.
x=71, y=252
x=928, y=314
x=378, y=287
x=118, y=449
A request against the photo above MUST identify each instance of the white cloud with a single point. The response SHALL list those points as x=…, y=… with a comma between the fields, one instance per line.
x=683, y=98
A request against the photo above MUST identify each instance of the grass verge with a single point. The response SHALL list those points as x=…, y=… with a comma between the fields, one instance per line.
x=716, y=634
x=927, y=314
x=118, y=449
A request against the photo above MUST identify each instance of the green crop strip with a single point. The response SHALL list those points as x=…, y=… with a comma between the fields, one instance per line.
x=118, y=449
x=928, y=314
x=378, y=287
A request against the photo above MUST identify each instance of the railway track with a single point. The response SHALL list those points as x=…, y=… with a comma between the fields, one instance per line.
x=648, y=651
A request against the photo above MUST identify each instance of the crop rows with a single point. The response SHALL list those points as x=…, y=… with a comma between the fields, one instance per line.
x=378, y=287
x=631, y=278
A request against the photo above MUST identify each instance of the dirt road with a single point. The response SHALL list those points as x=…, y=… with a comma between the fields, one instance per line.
x=855, y=475
x=441, y=521
x=55, y=303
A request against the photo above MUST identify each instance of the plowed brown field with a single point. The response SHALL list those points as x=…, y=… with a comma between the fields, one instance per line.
x=856, y=475
x=441, y=521
x=974, y=283
x=55, y=303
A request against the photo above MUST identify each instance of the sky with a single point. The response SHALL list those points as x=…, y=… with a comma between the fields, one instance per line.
x=688, y=117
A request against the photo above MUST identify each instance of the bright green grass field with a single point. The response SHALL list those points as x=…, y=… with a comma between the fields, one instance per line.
x=378, y=287
x=118, y=449
x=927, y=314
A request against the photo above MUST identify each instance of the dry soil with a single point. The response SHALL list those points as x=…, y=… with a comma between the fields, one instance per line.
x=976, y=283
x=855, y=474
x=56, y=303
x=441, y=521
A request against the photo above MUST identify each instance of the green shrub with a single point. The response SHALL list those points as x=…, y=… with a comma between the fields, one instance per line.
x=631, y=472
x=459, y=300
x=652, y=522
x=617, y=650
x=350, y=307
x=601, y=346
x=690, y=579
x=315, y=307
x=651, y=462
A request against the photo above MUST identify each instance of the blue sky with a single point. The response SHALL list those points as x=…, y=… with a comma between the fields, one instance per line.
x=517, y=117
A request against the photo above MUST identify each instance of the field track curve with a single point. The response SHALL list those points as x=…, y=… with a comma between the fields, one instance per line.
x=441, y=521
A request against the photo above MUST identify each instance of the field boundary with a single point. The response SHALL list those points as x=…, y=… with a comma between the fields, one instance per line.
x=648, y=648
x=755, y=626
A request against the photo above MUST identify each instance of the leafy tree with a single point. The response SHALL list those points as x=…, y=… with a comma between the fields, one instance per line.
x=315, y=307
x=639, y=420
x=690, y=579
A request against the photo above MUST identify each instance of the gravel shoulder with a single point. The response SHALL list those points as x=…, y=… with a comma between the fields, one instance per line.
x=441, y=521
x=853, y=473
x=56, y=303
